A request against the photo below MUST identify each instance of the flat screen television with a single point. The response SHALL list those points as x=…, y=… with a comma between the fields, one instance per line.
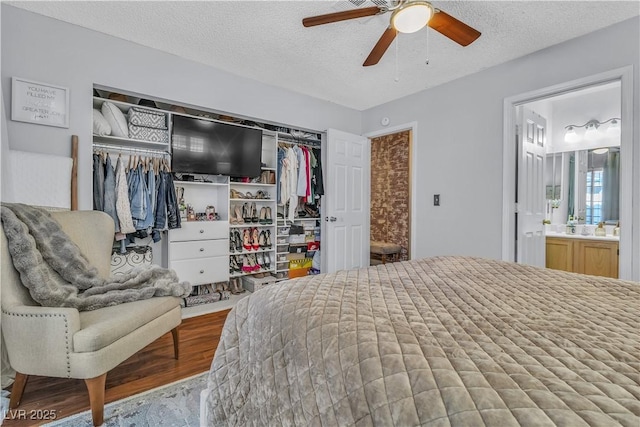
x=214, y=148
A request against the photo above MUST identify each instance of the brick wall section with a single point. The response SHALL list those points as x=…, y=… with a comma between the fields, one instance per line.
x=390, y=190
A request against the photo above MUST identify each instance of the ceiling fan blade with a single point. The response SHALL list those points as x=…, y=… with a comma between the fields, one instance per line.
x=381, y=47
x=340, y=16
x=450, y=27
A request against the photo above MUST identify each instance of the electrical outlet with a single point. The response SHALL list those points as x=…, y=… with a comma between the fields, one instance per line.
x=436, y=200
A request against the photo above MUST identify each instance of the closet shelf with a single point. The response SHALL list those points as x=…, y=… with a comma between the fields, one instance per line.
x=270, y=270
x=252, y=184
x=245, y=252
x=130, y=143
x=251, y=225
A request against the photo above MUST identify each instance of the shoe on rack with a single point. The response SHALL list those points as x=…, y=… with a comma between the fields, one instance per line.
x=235, y=286
x=238, y=218
x=311, y=211
x=259, y=259
x=238, y=240
x=263, y=215
x=246, y=213
x=267, y=240
x=266, y=260
x=255, y=239
x=262, y=240
x=254, y=212
x=267, y=217
x=232, y=241
x=246, y=264
x=235, y=194
x=252, y=263
x=233, y=264
x=246, y=239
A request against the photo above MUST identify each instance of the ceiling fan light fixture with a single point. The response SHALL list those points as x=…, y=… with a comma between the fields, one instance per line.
x=411, y=16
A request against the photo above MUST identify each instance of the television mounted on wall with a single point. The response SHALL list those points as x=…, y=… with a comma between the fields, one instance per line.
x=201, y=146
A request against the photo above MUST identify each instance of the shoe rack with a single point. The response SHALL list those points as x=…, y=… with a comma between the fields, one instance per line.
x=294, y=252
x=252, y=218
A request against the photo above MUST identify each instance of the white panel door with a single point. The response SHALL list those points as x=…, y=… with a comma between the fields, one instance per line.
x=346, y=241
x=531, y=190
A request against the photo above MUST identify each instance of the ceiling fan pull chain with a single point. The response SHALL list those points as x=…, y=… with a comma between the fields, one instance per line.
x=397, y=78
x=428, y=50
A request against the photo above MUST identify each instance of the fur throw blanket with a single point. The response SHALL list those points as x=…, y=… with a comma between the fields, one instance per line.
x=56, y=273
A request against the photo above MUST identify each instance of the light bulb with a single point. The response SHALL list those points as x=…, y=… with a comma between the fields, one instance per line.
x=571, y=135
x=614, y=128
x=592, y=131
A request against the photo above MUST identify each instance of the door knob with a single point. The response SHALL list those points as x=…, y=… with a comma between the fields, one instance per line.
x=331, y=219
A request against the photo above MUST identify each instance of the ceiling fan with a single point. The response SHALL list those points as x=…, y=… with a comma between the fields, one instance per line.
x=407, y=16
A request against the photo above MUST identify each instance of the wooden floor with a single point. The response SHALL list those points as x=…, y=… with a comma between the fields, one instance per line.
x=151, y=367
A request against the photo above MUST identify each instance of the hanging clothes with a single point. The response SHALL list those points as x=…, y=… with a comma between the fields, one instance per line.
x=151, y=195
x=98, y=182
x=289, y=182
x=307, y=165
x=312, y=179
x=110, y=192
x=281, y=156
x=173, y=209
x=317, y=173
x=123, y=208
x=302, y=172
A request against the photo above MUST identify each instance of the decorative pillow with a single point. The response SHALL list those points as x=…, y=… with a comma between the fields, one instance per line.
x=100, y=124
x=116, y=119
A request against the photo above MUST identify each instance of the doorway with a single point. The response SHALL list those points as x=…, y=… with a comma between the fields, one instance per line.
x=390, y=212
x=407, y=156
x=513, y=192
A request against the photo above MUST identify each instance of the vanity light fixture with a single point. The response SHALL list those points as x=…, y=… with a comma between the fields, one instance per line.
x=592, y=130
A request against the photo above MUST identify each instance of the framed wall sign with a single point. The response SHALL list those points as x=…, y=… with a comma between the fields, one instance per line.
x=39, y=103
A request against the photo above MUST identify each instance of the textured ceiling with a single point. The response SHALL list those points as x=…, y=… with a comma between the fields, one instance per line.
x=265, y=40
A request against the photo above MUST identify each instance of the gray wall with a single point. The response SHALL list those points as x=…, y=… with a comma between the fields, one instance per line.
x=460, y=137
x=38, y=48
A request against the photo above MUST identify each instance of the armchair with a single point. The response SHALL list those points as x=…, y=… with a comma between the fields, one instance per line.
x=63, y=342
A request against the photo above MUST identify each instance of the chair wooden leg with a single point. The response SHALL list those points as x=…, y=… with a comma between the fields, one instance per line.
x=176, y=343
x=95, y=386
x=18, y=388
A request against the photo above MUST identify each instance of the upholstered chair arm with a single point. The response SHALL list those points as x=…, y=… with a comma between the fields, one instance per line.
x=39, y=339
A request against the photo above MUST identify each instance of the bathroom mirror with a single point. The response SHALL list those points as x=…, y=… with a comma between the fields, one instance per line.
x=594, y=185
x=553, y=179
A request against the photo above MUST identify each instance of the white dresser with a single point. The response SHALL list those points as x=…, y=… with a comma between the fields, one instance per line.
x=199, y=251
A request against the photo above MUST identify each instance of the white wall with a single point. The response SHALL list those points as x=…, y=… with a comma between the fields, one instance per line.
x=38, y=48
x=460, y=137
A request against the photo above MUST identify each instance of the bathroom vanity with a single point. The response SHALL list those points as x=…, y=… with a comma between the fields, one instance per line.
x=595, y=255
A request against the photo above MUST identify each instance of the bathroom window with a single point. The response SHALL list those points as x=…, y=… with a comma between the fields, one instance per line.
x=594, y=196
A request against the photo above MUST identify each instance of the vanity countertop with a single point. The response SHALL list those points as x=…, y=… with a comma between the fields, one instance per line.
x=608, y=238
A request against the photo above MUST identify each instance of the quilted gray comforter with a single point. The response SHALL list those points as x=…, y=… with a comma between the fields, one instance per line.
x=435, y=342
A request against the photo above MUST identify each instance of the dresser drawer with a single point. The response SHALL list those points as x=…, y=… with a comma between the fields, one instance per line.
x=199, y=249
x=202, y=270
x=200, y=230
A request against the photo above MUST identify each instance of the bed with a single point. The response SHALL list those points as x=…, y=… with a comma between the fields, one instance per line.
x=443, y=341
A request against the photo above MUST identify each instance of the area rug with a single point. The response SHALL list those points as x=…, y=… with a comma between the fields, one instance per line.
x=176, y=405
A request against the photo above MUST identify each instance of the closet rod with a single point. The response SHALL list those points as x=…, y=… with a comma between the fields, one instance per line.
x=131, y=149
x=299, y=143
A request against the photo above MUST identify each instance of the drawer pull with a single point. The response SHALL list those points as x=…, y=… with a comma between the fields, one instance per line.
x=201, y=271
x=201, y=249
x=201, y=231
